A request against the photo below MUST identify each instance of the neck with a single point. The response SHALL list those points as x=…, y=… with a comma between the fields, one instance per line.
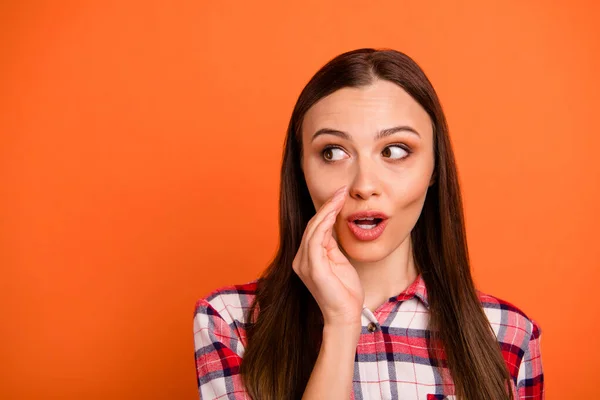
x=387, y=277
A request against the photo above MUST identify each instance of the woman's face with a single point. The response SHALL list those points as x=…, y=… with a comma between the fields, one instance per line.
x=378, y=141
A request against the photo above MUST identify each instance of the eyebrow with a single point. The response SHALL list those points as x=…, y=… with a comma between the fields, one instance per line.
x=381, y=134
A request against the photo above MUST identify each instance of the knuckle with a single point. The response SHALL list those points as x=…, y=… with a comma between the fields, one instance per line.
x=296, y=264
x=310, y=223
x=304, y=237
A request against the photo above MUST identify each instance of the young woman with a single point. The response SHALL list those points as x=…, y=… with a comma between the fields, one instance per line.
x=370, y=295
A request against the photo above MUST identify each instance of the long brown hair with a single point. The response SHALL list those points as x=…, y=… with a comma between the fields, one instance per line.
x=285, y=323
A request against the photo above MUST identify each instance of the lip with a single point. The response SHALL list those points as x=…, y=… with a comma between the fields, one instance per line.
x=367, y=234
x=367, y=214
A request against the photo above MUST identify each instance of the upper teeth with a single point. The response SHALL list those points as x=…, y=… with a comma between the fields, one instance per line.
x=367, y=219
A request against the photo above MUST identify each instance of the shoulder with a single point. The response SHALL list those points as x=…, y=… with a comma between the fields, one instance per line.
x=220, y=340
x=517, y=333
x=510, y=323
x=229, y=303
x=519, y=338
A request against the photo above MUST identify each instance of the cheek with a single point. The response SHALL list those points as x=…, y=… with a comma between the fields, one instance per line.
x=409, y=193
x=322, y=184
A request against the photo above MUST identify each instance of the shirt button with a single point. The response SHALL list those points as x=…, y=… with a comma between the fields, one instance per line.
x=372, y=327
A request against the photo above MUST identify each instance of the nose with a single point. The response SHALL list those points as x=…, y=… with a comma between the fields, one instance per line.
x=365, y=182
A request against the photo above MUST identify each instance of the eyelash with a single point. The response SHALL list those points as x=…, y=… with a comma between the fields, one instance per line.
x=331, y=146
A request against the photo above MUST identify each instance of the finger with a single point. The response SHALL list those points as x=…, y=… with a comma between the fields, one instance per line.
x=322, y=212
x=334, y=203
x=336, y=256
x=329, y=241
x=332, y=248
x=315, y=242
x=328, y=205
x=334, y=196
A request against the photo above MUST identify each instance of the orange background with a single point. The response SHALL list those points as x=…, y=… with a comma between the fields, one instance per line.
x=140, y=149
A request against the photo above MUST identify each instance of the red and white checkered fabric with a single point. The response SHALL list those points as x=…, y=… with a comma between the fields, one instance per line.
x=392, y=362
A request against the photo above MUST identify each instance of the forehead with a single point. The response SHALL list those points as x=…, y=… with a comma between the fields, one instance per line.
x=365, y=110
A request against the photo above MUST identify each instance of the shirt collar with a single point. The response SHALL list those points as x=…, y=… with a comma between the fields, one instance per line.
x=415, y=289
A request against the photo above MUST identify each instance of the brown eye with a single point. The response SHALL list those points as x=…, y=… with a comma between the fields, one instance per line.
x=331, y=154
x=394, y=152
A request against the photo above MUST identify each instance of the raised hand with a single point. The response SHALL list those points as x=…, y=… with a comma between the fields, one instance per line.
x=325, y=271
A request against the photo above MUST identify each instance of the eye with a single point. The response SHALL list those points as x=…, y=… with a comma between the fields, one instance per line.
x=395, y=152
x=332, y=153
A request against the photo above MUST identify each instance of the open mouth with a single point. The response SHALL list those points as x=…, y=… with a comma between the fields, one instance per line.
x=367, y=223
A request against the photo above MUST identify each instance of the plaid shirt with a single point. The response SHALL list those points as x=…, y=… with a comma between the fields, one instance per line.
x=391, y=359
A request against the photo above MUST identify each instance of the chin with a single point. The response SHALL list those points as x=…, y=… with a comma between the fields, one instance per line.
x=365, y=252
